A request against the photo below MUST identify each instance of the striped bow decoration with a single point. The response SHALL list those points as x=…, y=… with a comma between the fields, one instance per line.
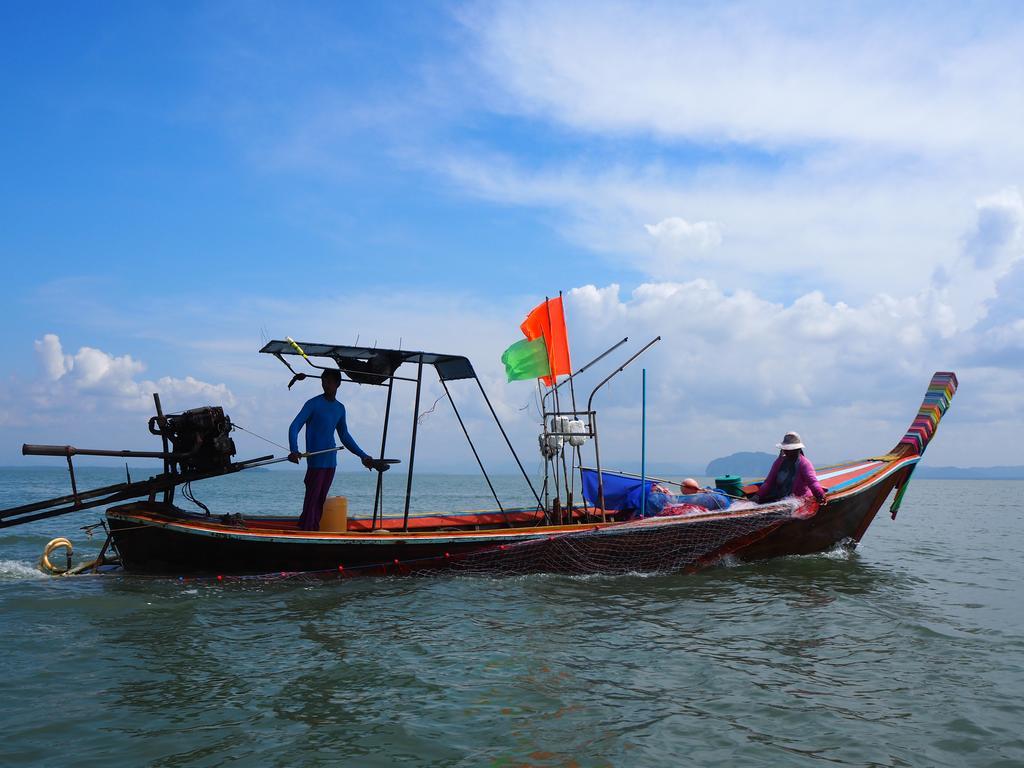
x=936, y=402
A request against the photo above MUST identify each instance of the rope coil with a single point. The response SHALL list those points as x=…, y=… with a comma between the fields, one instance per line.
x=50, y=548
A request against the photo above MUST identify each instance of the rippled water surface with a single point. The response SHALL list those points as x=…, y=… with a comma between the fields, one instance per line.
x=908, y=652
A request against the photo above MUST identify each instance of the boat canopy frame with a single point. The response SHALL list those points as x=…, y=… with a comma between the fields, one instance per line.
x=379, y=366
x=370, y=365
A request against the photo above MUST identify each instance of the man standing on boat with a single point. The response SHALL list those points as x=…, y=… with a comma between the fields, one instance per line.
x=322, y=416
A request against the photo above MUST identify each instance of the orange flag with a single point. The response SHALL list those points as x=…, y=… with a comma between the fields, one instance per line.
x=547, y=320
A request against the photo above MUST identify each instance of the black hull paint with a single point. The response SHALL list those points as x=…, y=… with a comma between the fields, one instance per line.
x=156, y=550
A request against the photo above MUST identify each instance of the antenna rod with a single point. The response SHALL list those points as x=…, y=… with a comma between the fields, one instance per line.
x=597, y=359
x=620, y=369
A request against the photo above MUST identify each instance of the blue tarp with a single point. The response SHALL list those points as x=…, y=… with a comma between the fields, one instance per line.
x=620, y=492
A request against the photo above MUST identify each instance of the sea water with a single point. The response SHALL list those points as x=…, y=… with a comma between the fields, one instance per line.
x=908, y=651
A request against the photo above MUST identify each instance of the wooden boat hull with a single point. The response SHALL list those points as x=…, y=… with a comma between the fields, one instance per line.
x=842, y=521
x=151, y=538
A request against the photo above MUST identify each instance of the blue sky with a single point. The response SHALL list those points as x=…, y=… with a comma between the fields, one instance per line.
x=816, y=207
x=160, y=138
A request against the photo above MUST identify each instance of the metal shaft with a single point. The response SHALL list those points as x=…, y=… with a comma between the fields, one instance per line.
x=412, y=446
x=377, y=500
x=619, y=370
x=70, y=450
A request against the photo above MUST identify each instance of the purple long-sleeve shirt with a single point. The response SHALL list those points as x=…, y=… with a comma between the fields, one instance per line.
x=805, y=479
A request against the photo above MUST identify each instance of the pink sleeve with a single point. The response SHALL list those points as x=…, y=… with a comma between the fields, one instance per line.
x=811, y=478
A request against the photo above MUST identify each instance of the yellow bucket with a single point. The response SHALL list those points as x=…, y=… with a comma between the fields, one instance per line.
x=335, y=517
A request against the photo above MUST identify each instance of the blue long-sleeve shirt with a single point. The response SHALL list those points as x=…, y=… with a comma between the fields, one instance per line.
x=322, y=418
x=709, y=498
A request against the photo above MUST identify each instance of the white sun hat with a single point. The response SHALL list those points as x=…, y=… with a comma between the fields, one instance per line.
x=791, y=442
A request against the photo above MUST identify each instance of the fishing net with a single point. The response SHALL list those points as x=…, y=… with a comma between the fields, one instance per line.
x=682, y=538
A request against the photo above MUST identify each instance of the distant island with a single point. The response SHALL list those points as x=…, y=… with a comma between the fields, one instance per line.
x=756, y=464
x=744, y=464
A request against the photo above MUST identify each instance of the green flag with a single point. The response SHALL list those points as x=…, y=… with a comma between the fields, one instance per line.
x=526, y=360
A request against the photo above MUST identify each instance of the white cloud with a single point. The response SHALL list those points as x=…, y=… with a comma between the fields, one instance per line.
x=52, y=358
x=734, y=371
x=678, y=238
x=94, y=370
x=804, y=224
x=997, y=232
x=1008, y=337
x=677, y=232
x=907, y=77
x=839, y=148
x=991, y=248
x=95, y=381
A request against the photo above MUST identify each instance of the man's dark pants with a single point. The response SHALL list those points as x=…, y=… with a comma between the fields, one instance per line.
x=318, y=484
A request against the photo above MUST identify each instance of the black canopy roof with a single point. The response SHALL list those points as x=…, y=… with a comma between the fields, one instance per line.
x=373, y=365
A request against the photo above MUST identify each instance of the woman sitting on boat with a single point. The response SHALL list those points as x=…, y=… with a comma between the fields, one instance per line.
x=792, y=474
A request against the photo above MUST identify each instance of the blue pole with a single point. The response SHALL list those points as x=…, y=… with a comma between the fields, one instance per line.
x=643, y=446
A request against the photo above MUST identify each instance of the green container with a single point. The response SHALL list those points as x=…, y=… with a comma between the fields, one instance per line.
x=730, y=484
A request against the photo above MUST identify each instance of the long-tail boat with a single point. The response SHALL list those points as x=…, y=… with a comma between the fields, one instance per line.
x=557, y=534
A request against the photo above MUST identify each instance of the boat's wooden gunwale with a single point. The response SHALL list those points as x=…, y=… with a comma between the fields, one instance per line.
x=127, y=514
x=889, y=467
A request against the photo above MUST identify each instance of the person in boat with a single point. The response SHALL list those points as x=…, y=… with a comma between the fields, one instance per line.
x=661, y=500
x=792, y=474
x=709, y=498
x=322, y=416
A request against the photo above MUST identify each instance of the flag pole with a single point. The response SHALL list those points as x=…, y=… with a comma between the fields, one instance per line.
x=558, y=408
x=544, y=448
x=574, y=451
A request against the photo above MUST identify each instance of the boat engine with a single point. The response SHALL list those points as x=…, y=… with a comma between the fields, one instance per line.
x=197, y=445
x=200, y=437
